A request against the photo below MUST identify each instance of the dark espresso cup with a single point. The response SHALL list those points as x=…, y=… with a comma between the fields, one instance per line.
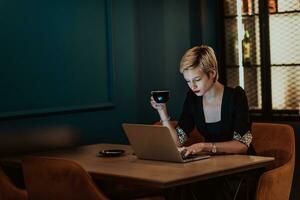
x=161, y=96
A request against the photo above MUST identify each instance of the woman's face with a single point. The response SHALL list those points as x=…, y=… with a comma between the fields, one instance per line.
x=198, y=81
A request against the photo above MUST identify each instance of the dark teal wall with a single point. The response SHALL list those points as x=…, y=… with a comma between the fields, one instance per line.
x=54, y=57
x=164, y=36
x=92, y=64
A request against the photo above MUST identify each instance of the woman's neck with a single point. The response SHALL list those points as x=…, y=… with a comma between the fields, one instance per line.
x=215, y=91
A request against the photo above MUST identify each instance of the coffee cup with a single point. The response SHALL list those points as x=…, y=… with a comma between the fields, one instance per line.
x=161, y=96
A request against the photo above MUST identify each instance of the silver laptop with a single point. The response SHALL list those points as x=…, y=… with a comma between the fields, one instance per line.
x=154, y=142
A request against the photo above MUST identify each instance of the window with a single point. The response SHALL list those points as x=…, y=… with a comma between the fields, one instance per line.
x=262, y=53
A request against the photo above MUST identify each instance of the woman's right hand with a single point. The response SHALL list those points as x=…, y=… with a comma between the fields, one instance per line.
x=157, y=106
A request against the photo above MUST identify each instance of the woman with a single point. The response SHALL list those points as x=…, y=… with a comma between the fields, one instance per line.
x=220, y=114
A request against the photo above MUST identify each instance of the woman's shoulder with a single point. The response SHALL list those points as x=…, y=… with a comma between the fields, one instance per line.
x=236, y=91
x=237, y=97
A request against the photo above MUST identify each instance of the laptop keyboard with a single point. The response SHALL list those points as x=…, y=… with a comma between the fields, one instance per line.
x=188, y=156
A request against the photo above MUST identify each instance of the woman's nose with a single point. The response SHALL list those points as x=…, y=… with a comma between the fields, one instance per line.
x=194, y=85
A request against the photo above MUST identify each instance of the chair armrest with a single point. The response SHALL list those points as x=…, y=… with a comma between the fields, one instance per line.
x=276, y=184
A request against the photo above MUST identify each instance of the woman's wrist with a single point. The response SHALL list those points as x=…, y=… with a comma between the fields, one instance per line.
x=163, y=114
x=213, y=148
x=165, y=119
x=208, y=146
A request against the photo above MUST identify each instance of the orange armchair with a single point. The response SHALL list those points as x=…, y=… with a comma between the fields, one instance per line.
x=54, y=178
x=8, y=191
x=276, y=140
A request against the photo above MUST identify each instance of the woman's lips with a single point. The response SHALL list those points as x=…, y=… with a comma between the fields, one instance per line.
x=196, y=91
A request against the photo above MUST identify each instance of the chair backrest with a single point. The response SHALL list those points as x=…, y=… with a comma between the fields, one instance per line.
x=54, y=179
x=8, y=191
x=275, y=140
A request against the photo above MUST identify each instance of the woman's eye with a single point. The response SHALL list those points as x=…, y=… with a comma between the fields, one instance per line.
x=199, y=79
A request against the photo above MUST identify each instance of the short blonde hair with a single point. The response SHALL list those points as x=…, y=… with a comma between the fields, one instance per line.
x=200, y=56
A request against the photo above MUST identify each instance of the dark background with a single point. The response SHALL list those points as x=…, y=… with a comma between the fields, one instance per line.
x=91, y=64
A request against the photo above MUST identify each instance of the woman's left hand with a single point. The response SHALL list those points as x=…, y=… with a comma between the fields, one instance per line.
x=194, y=149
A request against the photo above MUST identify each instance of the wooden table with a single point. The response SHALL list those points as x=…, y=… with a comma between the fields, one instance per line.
x=157, y=174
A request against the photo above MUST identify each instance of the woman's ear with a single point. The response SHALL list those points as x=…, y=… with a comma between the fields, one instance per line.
x=213, y=73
